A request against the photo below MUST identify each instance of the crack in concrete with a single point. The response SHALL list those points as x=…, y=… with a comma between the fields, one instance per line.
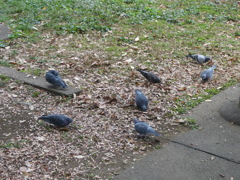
x=207, y=152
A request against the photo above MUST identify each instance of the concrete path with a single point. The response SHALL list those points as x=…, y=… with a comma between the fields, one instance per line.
x=211, y=152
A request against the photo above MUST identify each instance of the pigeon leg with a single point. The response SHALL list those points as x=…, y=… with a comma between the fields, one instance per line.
x=141, y=136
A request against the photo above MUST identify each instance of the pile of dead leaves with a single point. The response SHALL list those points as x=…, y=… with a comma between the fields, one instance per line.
x=101, y=140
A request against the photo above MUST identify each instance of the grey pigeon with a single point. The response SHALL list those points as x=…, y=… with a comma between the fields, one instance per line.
x=199, y=58
x=141, y=100
x=143, y=128
x=57, y=120
x=150, y=76
x=53, y=78
x=208, y=73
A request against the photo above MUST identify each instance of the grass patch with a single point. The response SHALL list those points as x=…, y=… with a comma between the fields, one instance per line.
x=5, y=63
x=35, y=94
x=4, y=78
x=192, y=123
x=186, y=103
x=73, y=16
x=158, y=147
x=17, y=144
x=35, y=72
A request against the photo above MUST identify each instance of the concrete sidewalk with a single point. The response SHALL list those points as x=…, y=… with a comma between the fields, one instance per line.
x=211, y=152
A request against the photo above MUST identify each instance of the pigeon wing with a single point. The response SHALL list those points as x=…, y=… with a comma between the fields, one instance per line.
x=51, y=78
x=56, y=119
x=141, y=128
x=141, y=100
x=150, y=130
x=150, y=76
x=60, y=82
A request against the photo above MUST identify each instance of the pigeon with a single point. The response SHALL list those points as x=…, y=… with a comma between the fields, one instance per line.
x=57, y=120
x=53, y=78
x=141, y=100
x=199, y=58
x=208, y=73
x=150, y=76
x=143, y=128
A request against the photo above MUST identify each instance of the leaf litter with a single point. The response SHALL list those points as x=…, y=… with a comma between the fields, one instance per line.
x=101, y=140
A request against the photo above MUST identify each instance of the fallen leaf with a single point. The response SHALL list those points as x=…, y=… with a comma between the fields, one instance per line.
x=23, y=169
x=41, y=138
x=137, y=39
x=79, y=157
x=180, y=121
x=182, y=88
x=208, y=100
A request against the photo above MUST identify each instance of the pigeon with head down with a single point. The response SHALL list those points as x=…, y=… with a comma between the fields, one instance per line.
x=141, y=100
x=55, y=79
x=143, y=128
x=199, y=58
x=208, y=73
x=57, y=120
x=150, y=76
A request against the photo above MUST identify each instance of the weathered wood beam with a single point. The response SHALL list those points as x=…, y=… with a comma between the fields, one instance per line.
x=37, y=82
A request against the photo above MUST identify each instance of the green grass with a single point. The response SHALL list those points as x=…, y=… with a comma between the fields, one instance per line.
x=158, y=147
x=192, y=123
x=35, y=72
x=162, y=25
x=2, y=44
x=45, y=125
x=5, y=63
x=4, y=78
x=17, y=144
x=35, y=94
x=185, y=102
x=72, y=16
x=64, y=135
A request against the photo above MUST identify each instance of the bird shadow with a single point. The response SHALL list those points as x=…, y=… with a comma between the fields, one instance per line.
x=148, y=139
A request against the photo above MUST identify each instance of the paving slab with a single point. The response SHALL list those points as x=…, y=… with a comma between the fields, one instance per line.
x=215, y=135
x=4, y=32
x=210, y=152
x=37, y=82
x=230, y=111
x=176, y=162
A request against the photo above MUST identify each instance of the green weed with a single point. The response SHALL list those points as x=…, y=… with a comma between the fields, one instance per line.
x=17, y=144
x=74, y=16
x=192, y=123
x=64, y=135
x=5, y=63
x=158, y=147
x=35, y=72
x=4, y=78
x=185, y=102
x=35, y=94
